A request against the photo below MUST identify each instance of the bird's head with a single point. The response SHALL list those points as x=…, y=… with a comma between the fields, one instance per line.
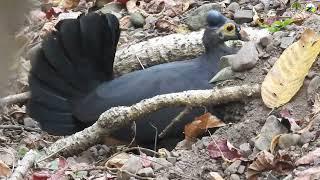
x=219, y=30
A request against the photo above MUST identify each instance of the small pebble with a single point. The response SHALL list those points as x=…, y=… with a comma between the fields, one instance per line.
x=241, y=169
x=146, y=172
x=233, y=7
x=243, y=16
x=234, y=177
x=137, y=20
x=245, y=149
x=29, y=122
x=233, y=168
x=265, y=41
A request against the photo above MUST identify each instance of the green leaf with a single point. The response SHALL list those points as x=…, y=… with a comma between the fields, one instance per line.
x=296, y=5
x=22, y=151
x=54, y=165
x=279, y=25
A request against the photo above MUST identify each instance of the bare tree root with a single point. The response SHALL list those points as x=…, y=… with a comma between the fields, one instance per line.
x=118, y=117
x=158, y=50
x=23, y=166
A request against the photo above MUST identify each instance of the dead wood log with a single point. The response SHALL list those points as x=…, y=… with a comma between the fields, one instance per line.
x=158, y=50
x=24, y=165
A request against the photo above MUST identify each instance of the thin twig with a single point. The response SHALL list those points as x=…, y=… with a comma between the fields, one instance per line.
x=215, y=143
x=51, y=155
x=174, y=121
x=134, y=127
x=140, y=62
x=155, y=137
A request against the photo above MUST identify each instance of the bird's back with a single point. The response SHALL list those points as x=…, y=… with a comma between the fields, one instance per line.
x=136, y=86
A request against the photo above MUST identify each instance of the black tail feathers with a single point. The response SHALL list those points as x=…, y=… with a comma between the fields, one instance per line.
x=73, y=61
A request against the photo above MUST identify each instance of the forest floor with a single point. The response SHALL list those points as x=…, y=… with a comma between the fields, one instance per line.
x=256, y=142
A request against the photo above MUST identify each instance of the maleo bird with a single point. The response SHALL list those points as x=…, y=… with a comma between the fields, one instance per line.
x=71, y=79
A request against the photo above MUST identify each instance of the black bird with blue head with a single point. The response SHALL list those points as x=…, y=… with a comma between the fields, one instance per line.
x=71, y=77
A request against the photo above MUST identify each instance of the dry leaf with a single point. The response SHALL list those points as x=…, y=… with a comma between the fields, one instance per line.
x=118, y=161
x=69, y=4
x=274, y=143
x=125, y=23
x=4, y=169
x=265, y=161
x=287, y=75
x=215, y=176
x=145, y=161
x=200, y=125
x=298, y=18
x=47, y=28
x=310, y=158
x=224, y=149
x=262, y=162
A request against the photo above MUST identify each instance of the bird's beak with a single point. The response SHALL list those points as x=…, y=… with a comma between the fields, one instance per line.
x=229, y=31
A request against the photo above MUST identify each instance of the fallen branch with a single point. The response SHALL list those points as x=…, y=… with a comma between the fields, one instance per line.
x=23, y=166
x=158, y=50
x=16, y=98
x=118, y=117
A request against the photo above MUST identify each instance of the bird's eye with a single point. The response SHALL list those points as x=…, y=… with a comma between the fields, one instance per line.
x=230, y=27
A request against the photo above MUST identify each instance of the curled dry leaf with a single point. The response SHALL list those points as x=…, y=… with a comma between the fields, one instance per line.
x=4, y=169
x=117, y=161
x=125, y=22
x=283, y=163
x=310, y=158
x=298, y=18
x=265, y=161
x=200, y=125
x=274, y=143
x=287, y=75
x=224, y=149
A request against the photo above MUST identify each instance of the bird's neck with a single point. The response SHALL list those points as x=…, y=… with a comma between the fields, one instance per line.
x=210, y=59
